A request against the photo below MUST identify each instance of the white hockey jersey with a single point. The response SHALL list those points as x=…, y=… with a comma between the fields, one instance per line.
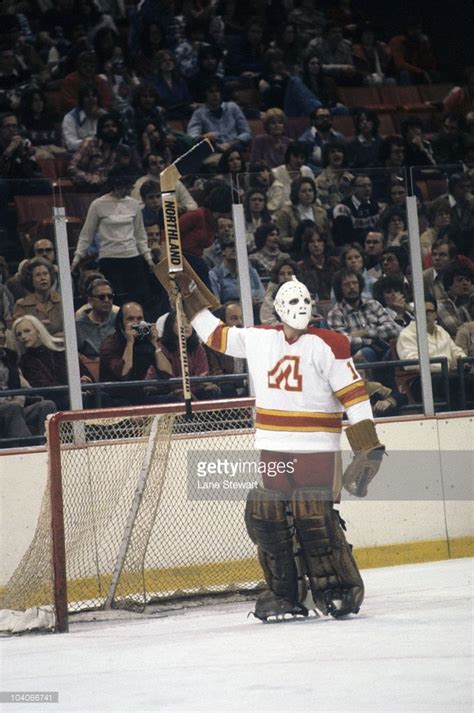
x=301, y=386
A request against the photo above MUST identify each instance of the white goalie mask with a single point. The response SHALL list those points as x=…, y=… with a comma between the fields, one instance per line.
x=293, y=304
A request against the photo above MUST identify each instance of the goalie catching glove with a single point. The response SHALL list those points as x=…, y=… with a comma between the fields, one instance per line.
x=368, y=454
x=194, y=293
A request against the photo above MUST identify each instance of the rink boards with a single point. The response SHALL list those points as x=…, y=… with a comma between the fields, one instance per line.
x=420, y=508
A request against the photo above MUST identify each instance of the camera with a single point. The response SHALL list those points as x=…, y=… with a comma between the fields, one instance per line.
x=142, y=329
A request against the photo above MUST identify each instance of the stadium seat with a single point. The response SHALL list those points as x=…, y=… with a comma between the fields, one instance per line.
x=54, y=102
x=436, y=187
x=434, y=92
x=45, y=229
x=47, y=167
x=61, y=163
x=176, y=124
x=256, y=126
x=410, y=100
x=365, y=96
x=403, y=378
x=423, y=188
x=296, y=126
x=388, y=124
x=344, y=124
x=31, y=209
x=78, y=203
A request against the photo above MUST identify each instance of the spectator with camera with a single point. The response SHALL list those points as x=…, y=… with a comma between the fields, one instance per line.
x=19, y=172
x=197, y=362
x=128, y=354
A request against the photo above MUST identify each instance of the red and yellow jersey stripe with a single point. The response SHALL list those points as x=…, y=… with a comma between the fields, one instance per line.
x=353, y=394
x=218, y=338
x=303, y=421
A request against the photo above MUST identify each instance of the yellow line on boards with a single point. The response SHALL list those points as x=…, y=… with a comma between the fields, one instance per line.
x=229, y=575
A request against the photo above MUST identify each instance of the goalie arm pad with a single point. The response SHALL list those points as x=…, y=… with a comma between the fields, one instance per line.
x=368, y=454
x=194, y=293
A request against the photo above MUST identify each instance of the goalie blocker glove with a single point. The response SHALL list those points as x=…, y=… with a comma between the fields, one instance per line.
x=368, y=454
x=195, y=294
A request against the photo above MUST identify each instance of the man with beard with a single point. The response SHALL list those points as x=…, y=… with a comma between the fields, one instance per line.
x=365, y=322
x=318, y=135
x=96, y=155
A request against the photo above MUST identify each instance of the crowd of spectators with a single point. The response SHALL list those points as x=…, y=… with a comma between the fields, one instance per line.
x=109, y=93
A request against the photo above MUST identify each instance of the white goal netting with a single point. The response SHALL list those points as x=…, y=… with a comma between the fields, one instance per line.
x=134, y=530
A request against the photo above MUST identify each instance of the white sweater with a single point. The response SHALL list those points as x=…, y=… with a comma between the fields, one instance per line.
x=119, y=225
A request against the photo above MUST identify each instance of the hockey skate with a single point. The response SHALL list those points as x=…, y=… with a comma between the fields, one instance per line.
x=339, y=604
x=269, y=608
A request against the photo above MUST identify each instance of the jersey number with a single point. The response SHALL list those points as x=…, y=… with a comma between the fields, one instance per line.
x=286, y=375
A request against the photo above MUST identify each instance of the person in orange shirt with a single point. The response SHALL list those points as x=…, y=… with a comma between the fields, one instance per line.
x=86, y=73
x=413, y=55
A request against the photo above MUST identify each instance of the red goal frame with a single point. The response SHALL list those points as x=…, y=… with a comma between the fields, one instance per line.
x=56, y=491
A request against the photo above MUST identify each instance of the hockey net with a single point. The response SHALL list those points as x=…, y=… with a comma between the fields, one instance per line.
x=118, y=527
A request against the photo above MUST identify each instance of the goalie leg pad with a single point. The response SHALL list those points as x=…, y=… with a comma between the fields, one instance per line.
x=335, y=581
x=268, y=528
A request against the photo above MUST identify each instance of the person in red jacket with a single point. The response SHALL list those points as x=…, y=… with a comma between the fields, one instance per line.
x=198, y=227
x=413, y=55
x=85, y=74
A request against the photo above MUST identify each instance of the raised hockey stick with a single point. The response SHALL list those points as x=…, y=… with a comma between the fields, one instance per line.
x=189, y=162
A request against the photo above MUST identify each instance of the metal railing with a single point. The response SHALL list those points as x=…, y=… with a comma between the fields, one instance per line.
x=111, y=387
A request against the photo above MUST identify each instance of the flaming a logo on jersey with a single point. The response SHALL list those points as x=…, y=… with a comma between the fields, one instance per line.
x=170, y=211
x=286, y=374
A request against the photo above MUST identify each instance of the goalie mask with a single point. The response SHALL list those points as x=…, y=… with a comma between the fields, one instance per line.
x=293, y=304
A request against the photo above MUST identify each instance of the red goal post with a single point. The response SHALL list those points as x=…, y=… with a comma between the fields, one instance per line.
x=119, y=526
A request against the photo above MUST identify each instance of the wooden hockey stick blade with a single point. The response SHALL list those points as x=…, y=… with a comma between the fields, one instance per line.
x=189, y=162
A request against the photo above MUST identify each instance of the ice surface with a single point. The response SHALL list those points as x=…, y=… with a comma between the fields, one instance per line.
x=408, y=650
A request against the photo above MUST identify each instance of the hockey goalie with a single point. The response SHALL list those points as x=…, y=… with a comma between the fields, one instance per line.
x=304, y=379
